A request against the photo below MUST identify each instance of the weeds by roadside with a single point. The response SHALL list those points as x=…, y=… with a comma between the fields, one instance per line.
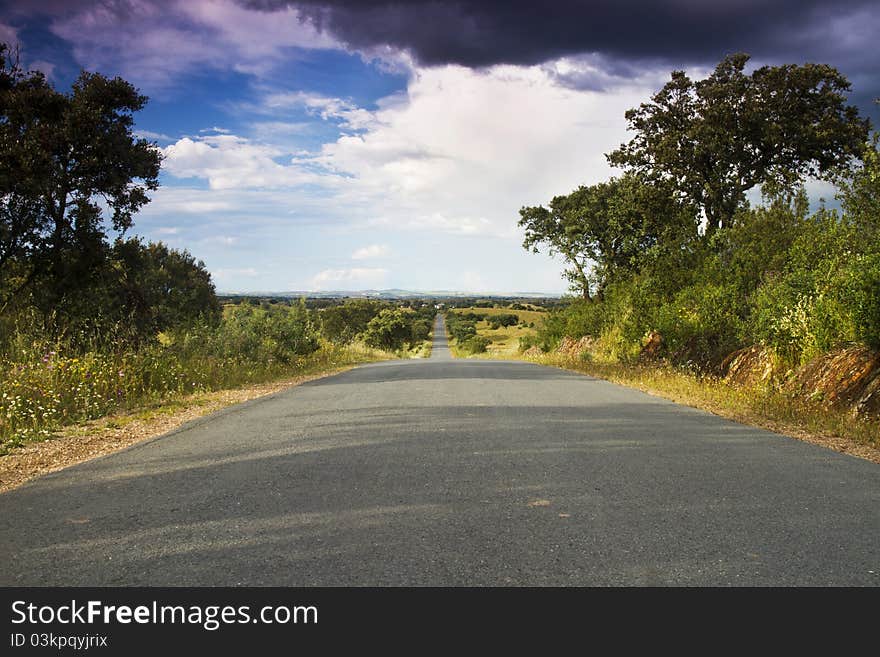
x=45, y=389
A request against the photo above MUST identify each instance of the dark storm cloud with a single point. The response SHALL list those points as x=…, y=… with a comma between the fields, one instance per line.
x=623, y=35
x=489, y=32
x=617, y=39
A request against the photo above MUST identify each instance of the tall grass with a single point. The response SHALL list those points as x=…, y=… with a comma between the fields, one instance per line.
x=48, y=383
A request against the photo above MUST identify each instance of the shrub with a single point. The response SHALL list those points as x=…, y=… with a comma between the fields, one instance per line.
x=390, y=330
x=420, y=330
x=461, y=327
x=344, y=323
x=702, y=324
x=475, y=345
x=502, y=320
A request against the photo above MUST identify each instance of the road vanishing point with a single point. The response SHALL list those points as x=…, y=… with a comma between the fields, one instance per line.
x=451, y=472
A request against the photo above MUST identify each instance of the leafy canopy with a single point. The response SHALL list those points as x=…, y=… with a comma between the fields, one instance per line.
x=63, y=157
x=604, y=230
x=715, y=139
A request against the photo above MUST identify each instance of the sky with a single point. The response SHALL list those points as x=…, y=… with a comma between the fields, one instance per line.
x=376, y=145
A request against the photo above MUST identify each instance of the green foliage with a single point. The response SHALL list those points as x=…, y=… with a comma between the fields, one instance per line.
x=156, y=288
x=46, y=382
x=276, y=333
x=603, y=231
x=526, y=342
x=775, y=275
x=715, y=139
x=344, y=323
x=501, y=320
x=63, y=157
x=828, y=294
x=801, y=284
x=475, y=344
x=420, y=330
x=757, y=243
x=462, y=326
x=391, y=329
x=702, y=324
x=71, y=168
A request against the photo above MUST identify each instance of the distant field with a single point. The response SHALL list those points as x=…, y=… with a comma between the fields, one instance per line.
x=525, y=315
x=505, y=340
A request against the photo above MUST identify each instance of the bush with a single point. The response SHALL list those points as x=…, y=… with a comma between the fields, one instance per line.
x=275, y=333
x=344, y=323
x=862, y=297
x=390, y=330
x=526, y=342
x=701, y=325
x=420, y=330
x=807, y=313
x=460, y=327
x=475, y=345
x=502, y=320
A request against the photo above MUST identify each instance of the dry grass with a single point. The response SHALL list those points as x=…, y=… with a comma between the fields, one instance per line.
x=505, y=340
x=525, y=315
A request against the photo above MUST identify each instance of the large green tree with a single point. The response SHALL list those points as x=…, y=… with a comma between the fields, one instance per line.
x=64, y=159
x=717, y=138
x=604, y=230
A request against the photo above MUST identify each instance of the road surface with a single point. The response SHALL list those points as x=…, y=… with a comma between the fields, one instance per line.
x=452, y=472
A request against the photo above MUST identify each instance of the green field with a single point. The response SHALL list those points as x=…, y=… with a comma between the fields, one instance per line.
x=505, y=340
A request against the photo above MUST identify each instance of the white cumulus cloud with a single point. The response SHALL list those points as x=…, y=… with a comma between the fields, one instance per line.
x=233, y=162
x=371, y=251
x=462, y=150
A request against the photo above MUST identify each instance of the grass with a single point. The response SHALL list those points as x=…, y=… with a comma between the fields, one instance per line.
x=41, y=394
x=505, y=340
x=427, y=346
x=527, y=316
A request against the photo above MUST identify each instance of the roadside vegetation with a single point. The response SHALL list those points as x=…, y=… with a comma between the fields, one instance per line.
x=93, y=321
x=769, y=310
x=49, y=381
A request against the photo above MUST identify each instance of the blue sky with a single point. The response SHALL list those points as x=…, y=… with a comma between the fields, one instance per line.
x=299, y=158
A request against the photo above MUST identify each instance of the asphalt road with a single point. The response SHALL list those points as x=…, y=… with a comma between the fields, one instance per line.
x=452, y=472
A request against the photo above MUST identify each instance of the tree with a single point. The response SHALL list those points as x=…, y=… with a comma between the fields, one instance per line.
x=715, y=139
x=27, y=107
x=390, y=330
x=62, y=158
x=603, y=230
x=558, y=229
x=860, y=195
x=343, y=323
x=157, y=288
